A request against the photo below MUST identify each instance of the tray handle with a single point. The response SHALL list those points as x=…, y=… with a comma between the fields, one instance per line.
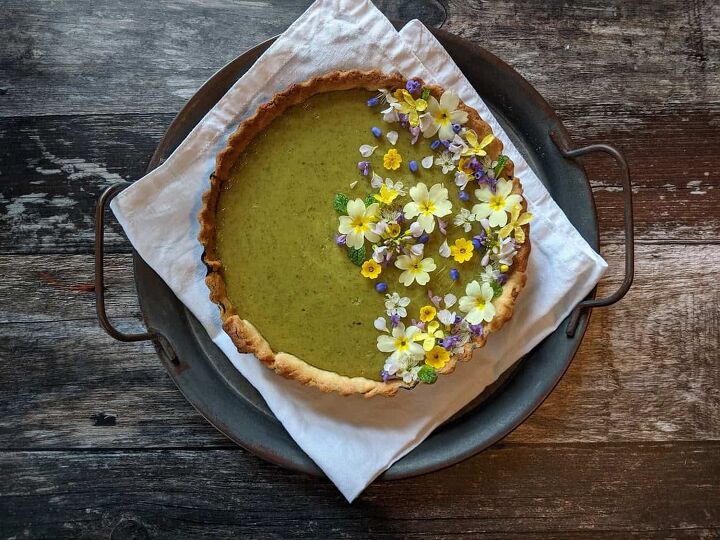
x=573, y=153
x=102, y=316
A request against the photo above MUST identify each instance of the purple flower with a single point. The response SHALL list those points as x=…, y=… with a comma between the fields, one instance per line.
x=445, y=143
x=474, y=164
x=442, y=225
x=458, y=319
x=456, y=128
x=434, y=299
x=454, y=274
x=412, y=86
x=394, y=319
x=424, y=238
x=376, y=131
x=476, y=329
x=340, y=239
x=403, y=118
x=415, y=132
x=385, y=375
x=381, y=287
x=413, y=166
x=372, y=102
x=464, y=196
x=479, y=240
x=502, y=279
x=435, y=144
x=449, y=342
x=364, y=167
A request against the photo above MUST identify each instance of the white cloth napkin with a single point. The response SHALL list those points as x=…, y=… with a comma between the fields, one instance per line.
x=352, y=439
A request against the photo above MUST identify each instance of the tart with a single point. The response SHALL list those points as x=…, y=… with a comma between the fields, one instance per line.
x=363, y=233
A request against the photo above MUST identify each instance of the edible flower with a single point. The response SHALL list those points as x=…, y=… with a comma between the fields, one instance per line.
x=478, y=303
x=517, y=220
x=462, y=250
x=464, y=218
x=409, y=106
x=429, y=337
x=400, y=342
x=370, y=269
x=428, y=204
x=445, y=161
x=415, y=269
x=358, y=224
x=440, y=116
x=367, y=150
x=437, y=357
x=387, y=195
x=427, y=313
x=395, y=305
x=475, y=148
x=495, y=206
x=392, y=160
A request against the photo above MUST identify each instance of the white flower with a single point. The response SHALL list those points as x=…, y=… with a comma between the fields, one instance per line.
x=440, y=117
x=392, y=136
x=396, y=304
x=404, y=366
x=445, y=161
x=461, y=179
x=505, y=252
x=359, y=223
x=380, y=254
x=478, y=303
x=397, y=186
x=464, y=218
x=415, y=269
x=489, y=274
x=427, y=162
x=366, y=150
x=446, y=317
x=496, y=205
x=400, y=342
x=428, y=204
x=444, y=249
x=458, y=147
x=411, y=375
x=376, y=181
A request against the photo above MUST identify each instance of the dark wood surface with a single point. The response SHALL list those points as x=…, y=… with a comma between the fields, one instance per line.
x=95, y=441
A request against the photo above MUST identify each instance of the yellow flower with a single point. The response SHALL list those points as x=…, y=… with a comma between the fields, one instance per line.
x=392, y=160
x=393, y=230
x=437, y=357
x=428, y=338
x=476, y=148
x=427, y=313
x=517, y=220
x=462, y=250
x=406, y=104
x=387, y=195
x=371, y=269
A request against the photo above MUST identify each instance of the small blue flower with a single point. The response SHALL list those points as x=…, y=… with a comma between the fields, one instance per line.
x=435, y=144
x=412, y=86
x=424, y=238
x=376, y=131
x=454, y=274
x=456, y=128
x=372, y=102
x=340, y=239
x=464, y=196
x=413, y=166
x=364, y=167
x=381, y=287
x=385, y=375
x=479, y=240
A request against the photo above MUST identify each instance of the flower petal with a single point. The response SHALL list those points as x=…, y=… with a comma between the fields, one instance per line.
x=366, y=150
x=427, y=162
x=392, y=136
x=449, y=100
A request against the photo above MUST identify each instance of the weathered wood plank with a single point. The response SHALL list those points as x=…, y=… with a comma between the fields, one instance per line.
x=91, y=57
x=654, y=490
x=54, y=168
x=654, y=353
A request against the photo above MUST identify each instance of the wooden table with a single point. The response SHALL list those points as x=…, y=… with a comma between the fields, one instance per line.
x=95, y=440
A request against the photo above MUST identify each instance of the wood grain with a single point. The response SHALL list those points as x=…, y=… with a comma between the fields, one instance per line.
x=634, y=357
x=54, y=168
x=540, y=491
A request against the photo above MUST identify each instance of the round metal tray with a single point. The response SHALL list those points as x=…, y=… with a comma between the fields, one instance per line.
x=222, y=395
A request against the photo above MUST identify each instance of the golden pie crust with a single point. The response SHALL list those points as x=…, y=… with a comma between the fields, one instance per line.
x=243, y=334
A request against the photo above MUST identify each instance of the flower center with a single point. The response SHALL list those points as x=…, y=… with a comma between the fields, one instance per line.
x=480, y=304
x=427, y=208
x=360, y=224
x=497, y=202
x=401, y=343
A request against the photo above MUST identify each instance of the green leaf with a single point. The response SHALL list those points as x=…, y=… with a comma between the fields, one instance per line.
x=425, y=93
x=427, y=374
x=340, y=203
x=502, y=159
x=370, y=199
x=357, y=256
x=497, y=288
